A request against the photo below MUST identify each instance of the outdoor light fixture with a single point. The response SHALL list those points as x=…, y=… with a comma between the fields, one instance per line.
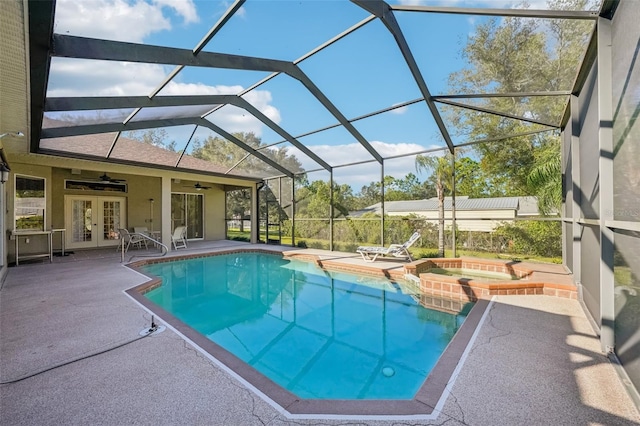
x=4, y=172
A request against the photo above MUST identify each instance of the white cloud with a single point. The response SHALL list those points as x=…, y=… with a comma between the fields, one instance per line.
x=185, y=8
x=118, y=19
x=74, y=77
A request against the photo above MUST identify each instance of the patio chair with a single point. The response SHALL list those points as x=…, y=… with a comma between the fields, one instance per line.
x=179, y=237
x=370, y=254
x=151, y=234
x=130, y=239
x=141, y=230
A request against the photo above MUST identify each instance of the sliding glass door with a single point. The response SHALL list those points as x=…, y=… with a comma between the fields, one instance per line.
x=188, y=210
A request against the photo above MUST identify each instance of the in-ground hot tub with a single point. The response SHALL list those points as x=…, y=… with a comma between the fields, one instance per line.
x=470, y=279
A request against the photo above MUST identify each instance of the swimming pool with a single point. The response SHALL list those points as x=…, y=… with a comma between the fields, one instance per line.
x=318, y=334
x=378, y=295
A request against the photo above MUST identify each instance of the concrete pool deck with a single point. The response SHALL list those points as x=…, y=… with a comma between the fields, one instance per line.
x=535, y=359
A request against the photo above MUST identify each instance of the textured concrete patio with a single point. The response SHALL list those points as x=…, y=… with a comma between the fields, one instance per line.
x=535, y=360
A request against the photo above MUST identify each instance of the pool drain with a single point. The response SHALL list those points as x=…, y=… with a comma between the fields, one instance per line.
x=388, y=371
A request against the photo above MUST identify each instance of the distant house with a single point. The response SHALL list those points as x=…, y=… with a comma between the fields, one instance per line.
x=472, y=214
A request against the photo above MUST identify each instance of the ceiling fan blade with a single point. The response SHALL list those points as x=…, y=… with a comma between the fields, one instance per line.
x=105, y=178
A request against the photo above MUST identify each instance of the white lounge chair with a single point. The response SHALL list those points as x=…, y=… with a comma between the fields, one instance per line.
x=370, y=254
x=179, y=237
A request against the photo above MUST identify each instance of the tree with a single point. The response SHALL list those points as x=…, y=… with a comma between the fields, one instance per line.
x=470, y=179
x=239, y=204
x=502, y=54
x=441, y=171
x=546, y=179
x=225, y=153
x=155, y=137
x=314, y=200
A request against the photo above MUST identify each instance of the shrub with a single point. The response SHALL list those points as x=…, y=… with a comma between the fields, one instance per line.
x=541, y=238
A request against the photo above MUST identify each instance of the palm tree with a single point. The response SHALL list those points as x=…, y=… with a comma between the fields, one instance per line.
x=545, y=179
x=441, y=169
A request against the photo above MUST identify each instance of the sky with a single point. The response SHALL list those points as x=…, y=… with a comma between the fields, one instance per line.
x=361, y=73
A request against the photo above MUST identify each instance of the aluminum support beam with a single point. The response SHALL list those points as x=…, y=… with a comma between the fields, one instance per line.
x=503, y=95
x=331, y=210
x=499, y=114
x=122, y=102
x=576, y=190
x=383, y=11
x=195, y=129
x=255, y=212
x=41, y=16
x=87, y=48
x=335, y=39
x=293, y=211
x=90, y=129
x=605, y=172
x=382, y=203
x=453, y=203
x=516, y=13
x=113, y=144
x=500, y=138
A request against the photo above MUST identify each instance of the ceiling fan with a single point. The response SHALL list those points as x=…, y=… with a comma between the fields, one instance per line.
x=198, y=186
x=108, y=179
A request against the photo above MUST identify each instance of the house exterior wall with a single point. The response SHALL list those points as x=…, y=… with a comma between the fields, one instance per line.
x=141, y=187
x=467, y=220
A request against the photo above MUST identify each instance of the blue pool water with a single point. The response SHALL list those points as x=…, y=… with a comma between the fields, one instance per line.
x=319, y=334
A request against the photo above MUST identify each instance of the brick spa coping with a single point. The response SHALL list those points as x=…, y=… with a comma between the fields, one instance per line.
x=422, y=404
x=467, y=289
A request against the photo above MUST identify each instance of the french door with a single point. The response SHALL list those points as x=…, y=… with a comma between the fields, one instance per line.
x=93, y=221
x=187, y=210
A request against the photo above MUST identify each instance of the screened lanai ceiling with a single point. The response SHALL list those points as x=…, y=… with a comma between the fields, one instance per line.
x=330, y=83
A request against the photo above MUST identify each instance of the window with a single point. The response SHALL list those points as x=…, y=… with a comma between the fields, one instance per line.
x=30, y=203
